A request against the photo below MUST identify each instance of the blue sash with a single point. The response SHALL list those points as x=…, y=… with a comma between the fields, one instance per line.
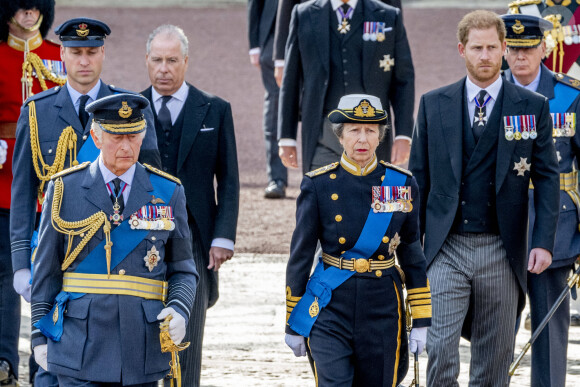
x=323, y=282
x=88, y=152
x=564, y=96
x=124, y=241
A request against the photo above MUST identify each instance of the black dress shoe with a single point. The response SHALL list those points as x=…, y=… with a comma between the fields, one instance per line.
x=575, y=320
x=7, y=379
x=275, y=190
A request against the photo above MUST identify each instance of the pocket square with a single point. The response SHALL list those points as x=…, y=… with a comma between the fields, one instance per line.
x=206, y=129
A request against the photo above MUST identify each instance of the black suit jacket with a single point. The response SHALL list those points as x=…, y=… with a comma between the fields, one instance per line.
x=207, y=151
x=283, y=23
x=436, y=163
x=307, y=71
x=261, y=19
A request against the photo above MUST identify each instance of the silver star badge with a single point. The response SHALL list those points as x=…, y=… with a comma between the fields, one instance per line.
x=152, y=258
x=522, y=166
x=395, y=242
x=386, y=63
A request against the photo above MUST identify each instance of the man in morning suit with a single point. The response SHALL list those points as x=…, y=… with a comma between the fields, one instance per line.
x=477, y=145
x=282, y=28
x=337, y=48
x=195, y=132
x=261, y=24
x=114, y=259
x=23, y=26
x=525, y=52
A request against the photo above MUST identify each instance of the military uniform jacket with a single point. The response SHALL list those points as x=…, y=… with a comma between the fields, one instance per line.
x=54, y=112
x=207, y=151
x=11, y=99
x=333, y=207
x=307, y=71
x=436, y=162
x=109, y=337
x=567, y=246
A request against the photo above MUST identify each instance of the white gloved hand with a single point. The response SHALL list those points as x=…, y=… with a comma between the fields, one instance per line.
x=417, y=340
x=21, y=283
x=40, y=356
x=296, y=343
x=176, y=325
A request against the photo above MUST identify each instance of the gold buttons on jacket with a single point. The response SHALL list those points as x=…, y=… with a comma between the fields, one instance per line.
x=385, y=239
x=333, y=176
x=334, y=196
x=381, y=257
x=122, y=272
x=341, y=240
x=338, y=218
x=379, y=273
x=382, y=178
x=342, y=252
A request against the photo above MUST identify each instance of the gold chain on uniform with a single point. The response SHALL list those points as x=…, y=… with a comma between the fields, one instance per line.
x=33, y=61
x=67, y=141
x=85, y=228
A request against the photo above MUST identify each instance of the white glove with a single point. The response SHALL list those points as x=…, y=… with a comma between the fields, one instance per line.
x=40, y=356
x=176, y=325
x=296, y=343
x=21, y=283
x=417, y=340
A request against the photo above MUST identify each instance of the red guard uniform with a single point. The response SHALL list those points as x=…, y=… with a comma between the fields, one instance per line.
x=12, y=95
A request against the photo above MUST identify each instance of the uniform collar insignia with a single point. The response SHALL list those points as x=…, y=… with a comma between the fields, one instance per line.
x=355, y=169
x=20, y=44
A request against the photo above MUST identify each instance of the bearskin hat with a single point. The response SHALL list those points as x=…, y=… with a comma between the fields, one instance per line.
x=9, y=7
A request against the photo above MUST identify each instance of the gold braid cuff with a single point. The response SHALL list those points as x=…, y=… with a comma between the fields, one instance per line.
x=85, y=228
x=67, y=141
x=167, y=345
x=33, y=62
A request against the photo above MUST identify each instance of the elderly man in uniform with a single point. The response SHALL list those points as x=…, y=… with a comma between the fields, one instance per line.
x=526, y=49
x=23, y=26
x=114, y=258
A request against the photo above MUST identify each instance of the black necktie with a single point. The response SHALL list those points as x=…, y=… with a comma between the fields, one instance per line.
x=164, y=116
x=116, y=197
x=345, y=7
x=83, y=115
x=480, y=118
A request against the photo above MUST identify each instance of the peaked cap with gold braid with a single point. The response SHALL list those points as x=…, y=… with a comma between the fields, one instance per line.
x=120, y=113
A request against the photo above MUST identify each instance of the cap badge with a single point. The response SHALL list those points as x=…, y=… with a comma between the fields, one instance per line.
x=364, y=109
x=518, y=28
x=125, y=111
x=83, y=30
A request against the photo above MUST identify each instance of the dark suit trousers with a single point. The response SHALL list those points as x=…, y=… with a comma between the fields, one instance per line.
x=190, y=358
x=472, y=270
x=274, y=167
x=550, y=349
x=67, y=381
x=9, y=299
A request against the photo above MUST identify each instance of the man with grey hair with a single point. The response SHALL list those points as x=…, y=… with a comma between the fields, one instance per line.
x=195, y=135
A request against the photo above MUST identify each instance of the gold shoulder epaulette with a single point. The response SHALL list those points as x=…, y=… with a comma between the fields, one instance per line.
x=514, y=6
x=567, y=80
x=396, y=168
x=163, y=174
x=71, y=170
x=323, y=170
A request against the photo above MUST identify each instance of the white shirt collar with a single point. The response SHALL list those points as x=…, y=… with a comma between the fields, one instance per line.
x=472, y=89
x=180, y=94
x=533, y=86
x=126, y=177
x=75, y=95
x=337, y=3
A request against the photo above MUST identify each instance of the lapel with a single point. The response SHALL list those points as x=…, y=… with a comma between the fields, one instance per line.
x=370, y=13
x=547, y=83
x=140, y=192
x=97, y=192
x=196, y=108
x=451, y=108
x=66, y=110
x=319, y=19
x=513, y=105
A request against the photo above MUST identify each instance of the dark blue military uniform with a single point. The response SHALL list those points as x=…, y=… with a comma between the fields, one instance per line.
x=359, y=338
x=549, y=351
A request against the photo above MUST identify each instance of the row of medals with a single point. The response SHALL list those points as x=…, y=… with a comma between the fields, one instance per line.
x=157, y=224
x=392, y=206
x=524, y=134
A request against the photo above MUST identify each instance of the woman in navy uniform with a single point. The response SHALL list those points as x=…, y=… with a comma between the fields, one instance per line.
x=362, y=211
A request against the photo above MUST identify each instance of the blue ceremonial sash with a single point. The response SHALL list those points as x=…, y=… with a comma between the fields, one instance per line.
x=124, y=239
x=564, y=96
x=88, y=152
x=323, y=282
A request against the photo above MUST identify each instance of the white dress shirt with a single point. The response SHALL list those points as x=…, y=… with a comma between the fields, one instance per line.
x=75, y=95
x=471, y=90
x=533, y=86
x=109, y=176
